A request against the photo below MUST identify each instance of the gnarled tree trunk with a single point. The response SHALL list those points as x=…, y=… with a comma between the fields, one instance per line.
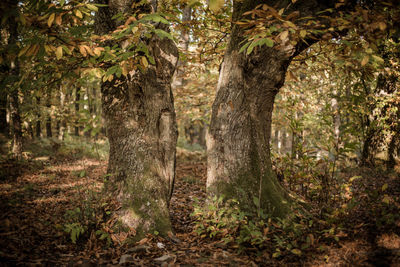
x=239, y=164
x=141, y=127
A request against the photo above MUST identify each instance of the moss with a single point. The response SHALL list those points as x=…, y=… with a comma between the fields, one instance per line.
x=244, y=185
x=144, y=204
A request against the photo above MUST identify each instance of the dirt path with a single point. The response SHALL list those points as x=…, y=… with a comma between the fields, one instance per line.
x=34, y=205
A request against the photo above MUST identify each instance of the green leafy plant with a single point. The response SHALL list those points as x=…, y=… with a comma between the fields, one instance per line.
x=75, y=230
x=223, y=220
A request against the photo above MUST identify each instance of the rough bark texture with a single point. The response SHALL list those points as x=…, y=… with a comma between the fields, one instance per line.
x=142, y=132
x=239, y=164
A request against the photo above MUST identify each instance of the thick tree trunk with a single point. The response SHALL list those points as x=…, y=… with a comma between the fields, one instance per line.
x=239, y=164
x=141, y=127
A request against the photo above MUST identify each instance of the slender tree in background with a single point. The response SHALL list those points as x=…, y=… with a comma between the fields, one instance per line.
x=14, y=71
x=3, y=113
x=141, y=128
x=38, y=118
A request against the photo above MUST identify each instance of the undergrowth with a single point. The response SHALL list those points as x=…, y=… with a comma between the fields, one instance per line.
x=223, y=220
x=70, y=148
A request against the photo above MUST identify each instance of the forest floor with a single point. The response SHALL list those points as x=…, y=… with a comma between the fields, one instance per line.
x=36, y=195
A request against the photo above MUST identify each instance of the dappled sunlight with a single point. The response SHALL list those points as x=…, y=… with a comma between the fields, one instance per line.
x=389, y=241
x=50, y=200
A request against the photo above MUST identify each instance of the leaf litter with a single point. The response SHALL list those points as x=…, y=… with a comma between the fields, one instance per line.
x=34, y=203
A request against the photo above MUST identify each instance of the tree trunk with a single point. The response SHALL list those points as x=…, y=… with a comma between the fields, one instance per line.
x=239, y=164
x=184, y=46
x=38, y=115
x=16, y=128
x=49, y=133
x=61, y=124
x=141, y=128
x=16, y=125
x=3, y=113
x=77, y=104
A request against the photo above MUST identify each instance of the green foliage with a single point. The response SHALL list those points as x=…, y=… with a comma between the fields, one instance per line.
x=223, y=220
x=74, y=228
x=90, y=216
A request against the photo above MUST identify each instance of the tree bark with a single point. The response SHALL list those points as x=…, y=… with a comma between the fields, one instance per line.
x=239, y=164
x=38, y=125
x=16, y=128
x=77, y=104
x=3, y=113
x=49, y=133
x=61, y=124
x=141, y=128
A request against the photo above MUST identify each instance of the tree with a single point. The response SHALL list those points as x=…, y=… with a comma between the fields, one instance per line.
x=13, y=70
x=253, y=71
x=239, y=164
x=140, y=122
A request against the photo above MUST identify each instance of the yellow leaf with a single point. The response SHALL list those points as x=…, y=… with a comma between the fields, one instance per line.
x=276, y=254
x=59, y=52
x=290, y=24
x=134, y=29
x=53, y=48
x=47, y=49
x=303, y=33
x=82, y=50
x=31, y=51
x=97, y=50
x=378, y=59
x=296, y=251
x=110, y=78
x=22, y=19
x=215, y=5
x=386, y=199
x=124, y=70
x=144, y=62
x=283, y=36
x=51, y=19
x=382, y=26
x=88, y=50
x=92, y=7
x=78, y=13
x=384, y=187
x=23, y=50
x=365, y=60
x=59, y=19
